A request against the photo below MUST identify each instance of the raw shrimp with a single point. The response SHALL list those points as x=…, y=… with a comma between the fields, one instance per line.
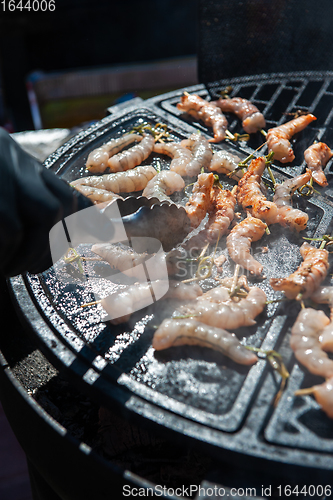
x=278, y=137
x=175, y=332
x=98, y=158
x=122, y=259
x=132, y=157
x=206, y=111
x=287, y=215
x=121, y=182
x=305, y=342
x=224, y=162
x=307, y=278
x=129, y=262
x=200, y=200
x=164, y=184
x=324, y=396
x=201, y=155
x=218, y=294
x=225, y=313
x=180, y=155
x=239, y=243
x=316, y=157
x=252, y=119
x=183, y=291
x=122, y=304
x=250, y=196
x=221, y=213
x=97, y=195
x=324, y=295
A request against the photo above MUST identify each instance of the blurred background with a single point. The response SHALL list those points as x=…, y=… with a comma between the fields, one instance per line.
x=64, y=68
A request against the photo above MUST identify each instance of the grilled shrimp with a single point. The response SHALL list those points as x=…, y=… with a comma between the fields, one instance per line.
x=252, y=119
x=316, y=157
x=201, y=155
x=224, y=162
x=287, y=215
x=180, y=155
x=175, y=332
x=305, y=342
x=97, y=195
x=183, y=291
x=227, y=313
x=121, y=182
x=307, y=278
x=324, y=295
x=250, y=196
x=278, y=137
x=206, y=111
x=200, y=200
x=97, y=161
x=132, y=157
x=239, y=243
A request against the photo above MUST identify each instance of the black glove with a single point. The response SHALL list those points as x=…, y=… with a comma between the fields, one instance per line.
x=32, y=200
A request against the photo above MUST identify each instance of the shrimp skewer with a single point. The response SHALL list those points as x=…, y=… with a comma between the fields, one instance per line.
x=250, y=196
x=252, y=119
x=97, y=161
x=239, y=243
x=324, y=295
x=97, y=195
x=129, y=262
x=323, y=394
x=122, y=259
x=183, y=291
x=305, y=342
x=287, y=215
x=278, y=137
x=307, y=278
x=120, y=305
x=316, y=157
x=132, y=157
x=224, y=162
x=180, y=155
x=206, y=111
x=222, y=213
x=226, y=314
x=164, y=184
x=201, y=155
x=200, y=200
x=121, y=182
x=173, y=332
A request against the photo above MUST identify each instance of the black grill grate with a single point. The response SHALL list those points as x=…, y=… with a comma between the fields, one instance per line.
x=196, y=393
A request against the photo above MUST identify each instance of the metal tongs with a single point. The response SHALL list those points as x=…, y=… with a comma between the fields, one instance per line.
x=142, y=217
